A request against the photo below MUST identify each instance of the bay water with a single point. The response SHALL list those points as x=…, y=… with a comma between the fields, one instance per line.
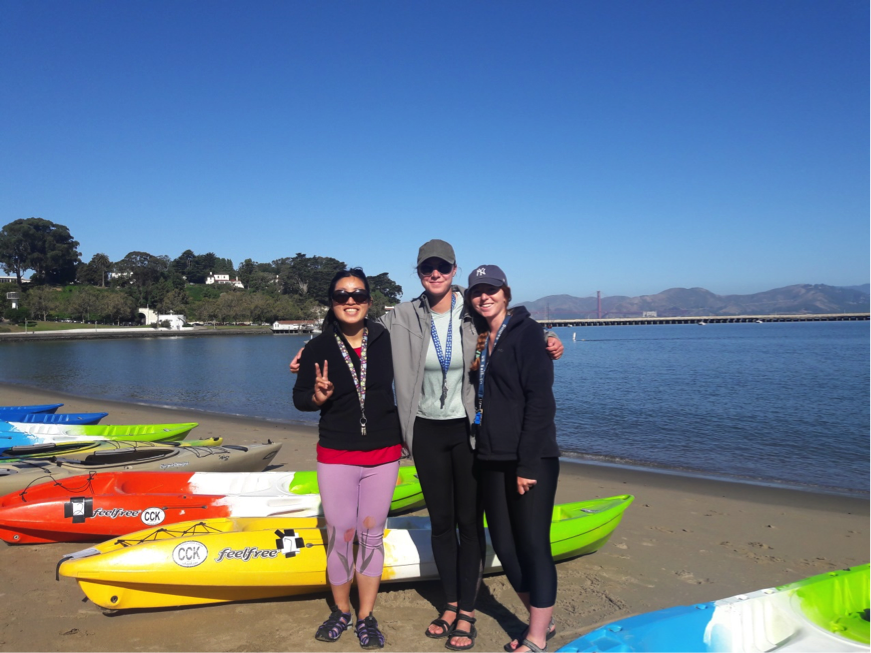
x=775, y=403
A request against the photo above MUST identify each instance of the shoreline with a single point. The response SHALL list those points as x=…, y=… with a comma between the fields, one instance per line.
x=846, y=493
x=568, y=458
x=109, y=333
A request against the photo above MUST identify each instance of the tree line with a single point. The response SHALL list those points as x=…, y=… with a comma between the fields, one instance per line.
x=63, y=286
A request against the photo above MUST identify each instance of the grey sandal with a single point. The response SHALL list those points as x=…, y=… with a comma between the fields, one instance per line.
x=551, y=631
x=532, y=647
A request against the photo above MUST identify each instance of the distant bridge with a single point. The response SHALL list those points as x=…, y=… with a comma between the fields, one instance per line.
x=706, y=319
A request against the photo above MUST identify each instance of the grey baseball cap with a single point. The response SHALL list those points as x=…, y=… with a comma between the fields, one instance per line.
x=438, y=249
x=489, y=274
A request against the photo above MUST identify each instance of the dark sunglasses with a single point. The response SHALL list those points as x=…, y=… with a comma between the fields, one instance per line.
x=342, y=296
x=426, y=269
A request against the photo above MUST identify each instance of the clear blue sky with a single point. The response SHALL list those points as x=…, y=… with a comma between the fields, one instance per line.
x=611, y=145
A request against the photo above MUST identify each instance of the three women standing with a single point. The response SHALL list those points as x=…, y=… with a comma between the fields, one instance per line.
x=347, y=374
x=433, y=339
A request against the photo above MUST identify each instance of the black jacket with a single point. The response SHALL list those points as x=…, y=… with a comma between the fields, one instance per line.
x=519, y=407
x=339, y=426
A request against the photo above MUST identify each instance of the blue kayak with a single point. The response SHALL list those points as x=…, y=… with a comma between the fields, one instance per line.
x=10, y=439
x=62, y=418
x=826, y=612
x=15, y=413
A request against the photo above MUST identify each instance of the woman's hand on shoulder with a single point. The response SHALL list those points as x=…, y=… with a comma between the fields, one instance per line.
x=294, y=364
x=555, y=348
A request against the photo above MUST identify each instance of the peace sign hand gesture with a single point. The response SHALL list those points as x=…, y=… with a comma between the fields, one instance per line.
x=323, y=386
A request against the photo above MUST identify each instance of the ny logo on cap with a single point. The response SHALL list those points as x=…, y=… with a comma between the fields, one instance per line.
x=481, y=271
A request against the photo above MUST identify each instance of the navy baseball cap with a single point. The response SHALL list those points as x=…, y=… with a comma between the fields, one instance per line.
x=487, y=274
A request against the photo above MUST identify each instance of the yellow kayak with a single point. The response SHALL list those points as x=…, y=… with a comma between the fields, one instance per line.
x=238, y=559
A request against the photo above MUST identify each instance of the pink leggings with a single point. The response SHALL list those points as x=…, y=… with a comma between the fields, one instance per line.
x=356, y=501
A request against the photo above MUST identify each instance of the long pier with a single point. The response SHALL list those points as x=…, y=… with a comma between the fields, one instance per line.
x=706, y=319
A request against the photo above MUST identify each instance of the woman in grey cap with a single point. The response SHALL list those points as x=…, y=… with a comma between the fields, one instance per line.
x=433, y=339
x=517, y=452
x=433, y=342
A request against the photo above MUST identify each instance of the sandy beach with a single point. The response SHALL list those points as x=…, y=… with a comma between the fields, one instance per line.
x=684, y=540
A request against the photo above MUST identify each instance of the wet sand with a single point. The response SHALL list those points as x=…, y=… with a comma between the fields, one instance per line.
x=684, y=540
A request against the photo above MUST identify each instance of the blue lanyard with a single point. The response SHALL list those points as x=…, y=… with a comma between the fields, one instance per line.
x=482, y=369
x=444, y=358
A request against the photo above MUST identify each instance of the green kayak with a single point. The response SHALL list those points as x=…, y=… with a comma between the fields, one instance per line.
x=132, y=432
x=584, y=526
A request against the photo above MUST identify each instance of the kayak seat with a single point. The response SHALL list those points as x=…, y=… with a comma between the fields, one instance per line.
x=120, y=457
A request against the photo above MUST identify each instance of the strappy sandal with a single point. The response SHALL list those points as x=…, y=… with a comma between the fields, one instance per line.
x=532, y=647
x=337, y=623
x=551, y=632
x=441, y=623
x=368, y=633
x=472, y=633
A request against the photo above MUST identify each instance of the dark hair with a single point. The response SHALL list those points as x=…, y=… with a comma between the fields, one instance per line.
x=341, y=274
x=481, y=325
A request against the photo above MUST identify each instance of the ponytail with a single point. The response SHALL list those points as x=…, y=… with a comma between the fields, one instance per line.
x=479, y=347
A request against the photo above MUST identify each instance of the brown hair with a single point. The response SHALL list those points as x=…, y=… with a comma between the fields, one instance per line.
x=479, y=347
x=482, y=327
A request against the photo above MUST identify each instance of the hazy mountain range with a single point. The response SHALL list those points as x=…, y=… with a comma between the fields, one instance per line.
x=678, y=302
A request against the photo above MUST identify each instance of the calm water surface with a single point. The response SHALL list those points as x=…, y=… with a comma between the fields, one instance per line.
x=775, y=403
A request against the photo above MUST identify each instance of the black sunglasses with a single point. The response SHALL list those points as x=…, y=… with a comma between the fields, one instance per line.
x=426, y=269
x=342, y=296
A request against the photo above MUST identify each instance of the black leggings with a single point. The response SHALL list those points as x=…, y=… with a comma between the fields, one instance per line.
x=446, y=469
x=520, y=526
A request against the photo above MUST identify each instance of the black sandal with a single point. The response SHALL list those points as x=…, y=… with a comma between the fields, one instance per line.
x=472, y=633
x=441, y=623
x=551, y=632
x=337, y=623
x=369, y=633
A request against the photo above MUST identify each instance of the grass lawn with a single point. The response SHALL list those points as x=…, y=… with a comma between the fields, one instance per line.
x=73, y=326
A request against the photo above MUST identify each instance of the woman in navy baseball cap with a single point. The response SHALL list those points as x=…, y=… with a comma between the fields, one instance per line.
x=517, y=452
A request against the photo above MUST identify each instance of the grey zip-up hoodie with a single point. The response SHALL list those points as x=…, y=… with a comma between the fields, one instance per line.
x=409, y=324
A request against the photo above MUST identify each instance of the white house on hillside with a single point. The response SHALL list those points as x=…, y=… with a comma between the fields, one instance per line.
x=223, y=278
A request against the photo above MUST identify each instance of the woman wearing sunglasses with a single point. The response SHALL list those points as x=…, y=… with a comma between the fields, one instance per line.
x=518, y=456
x=347, y=374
